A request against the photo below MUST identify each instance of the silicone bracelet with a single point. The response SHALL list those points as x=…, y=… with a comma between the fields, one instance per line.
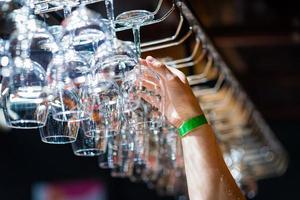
x=191, y=124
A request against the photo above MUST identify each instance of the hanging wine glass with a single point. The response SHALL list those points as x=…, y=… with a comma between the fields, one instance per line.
x=67, y=74
x=146, y=120
x=24, y=95
x=117, y=64
x=109, y=158
x=105, y=103
x=87, y=145
x=58, y=132
x=25, y=100
x=153, y=165
x=104, y=116
x=32, y=38
x=114, y=62
x=85, y=29
x=151, y=92
x=141, y=151
x=135, y=19
x=125, y=157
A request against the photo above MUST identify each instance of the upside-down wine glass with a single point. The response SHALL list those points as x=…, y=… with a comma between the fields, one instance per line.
x=25, y=100
x=135, y=19
x=58, y=132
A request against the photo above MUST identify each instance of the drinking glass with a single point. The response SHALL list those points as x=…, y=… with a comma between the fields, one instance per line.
x=129, y=89
x=125, y=159
x=114, y=61
x=58, y=132
x=141, y=150
x=105, y=104
x=134, y=19
x=24, y=95
x=118, y=64
x=31, y=39
x=109, y=159
x=85, y=29
x=104, y=122
x=91, y=145
x=153, y=164
x=67, y=78
x=152, y=91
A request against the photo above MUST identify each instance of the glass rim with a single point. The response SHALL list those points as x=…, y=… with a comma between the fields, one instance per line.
x=88, y=152
x=46, y=139
x=36, y=123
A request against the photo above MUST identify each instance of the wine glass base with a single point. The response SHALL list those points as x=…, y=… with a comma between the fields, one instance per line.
x=134, y=17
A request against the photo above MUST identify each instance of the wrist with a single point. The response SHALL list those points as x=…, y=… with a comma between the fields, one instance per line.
x=191, y=124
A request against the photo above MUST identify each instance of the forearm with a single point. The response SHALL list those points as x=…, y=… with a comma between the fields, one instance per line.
x=207, y=175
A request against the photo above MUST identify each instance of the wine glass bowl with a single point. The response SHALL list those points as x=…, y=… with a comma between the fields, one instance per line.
x=115, y=58
x=85, y=28
x=87, y=146
x=24, y=95
x=58, y=132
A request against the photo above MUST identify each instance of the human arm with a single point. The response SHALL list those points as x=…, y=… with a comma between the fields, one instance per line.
x=207, y=175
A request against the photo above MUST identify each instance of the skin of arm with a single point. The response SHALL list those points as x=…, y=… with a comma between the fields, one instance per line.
x=208, y=177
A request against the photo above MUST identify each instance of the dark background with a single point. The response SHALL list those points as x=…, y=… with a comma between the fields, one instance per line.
x=259, y=39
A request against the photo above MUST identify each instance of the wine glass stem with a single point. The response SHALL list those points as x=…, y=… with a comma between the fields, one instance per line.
x=67, y=10
x=137, y=39
x=110, y=16
x=62, y=104
x=25, y=48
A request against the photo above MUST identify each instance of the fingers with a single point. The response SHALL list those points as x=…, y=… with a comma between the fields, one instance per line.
x=150, y=78
x=158, y=67
x=179, y=74
x=165, y=72
x=150, y=86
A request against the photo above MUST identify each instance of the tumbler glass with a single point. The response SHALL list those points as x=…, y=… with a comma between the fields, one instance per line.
x=58, y=132
x=88, y=145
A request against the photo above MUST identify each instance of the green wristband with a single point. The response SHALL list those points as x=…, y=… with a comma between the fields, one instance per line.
x=191, y=124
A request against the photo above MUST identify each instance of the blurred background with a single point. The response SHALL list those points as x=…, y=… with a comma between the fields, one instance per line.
x=259, y=39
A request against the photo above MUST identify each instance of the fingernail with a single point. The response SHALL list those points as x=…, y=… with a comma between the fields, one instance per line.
x=150, y=59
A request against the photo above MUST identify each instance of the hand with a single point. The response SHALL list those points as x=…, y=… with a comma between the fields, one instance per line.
x=180, y=101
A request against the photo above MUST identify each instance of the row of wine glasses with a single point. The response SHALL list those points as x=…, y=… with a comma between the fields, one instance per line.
x=80, y=85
